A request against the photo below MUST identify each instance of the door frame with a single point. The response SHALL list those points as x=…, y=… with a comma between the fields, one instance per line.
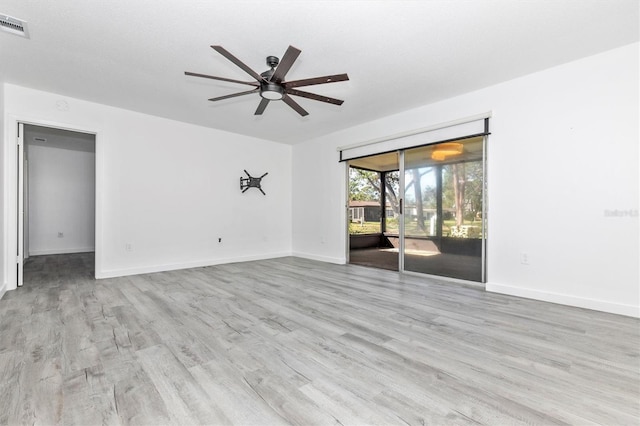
x=20, y=195
x=11, y=190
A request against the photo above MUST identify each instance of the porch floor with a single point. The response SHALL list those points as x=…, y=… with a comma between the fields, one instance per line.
x=458, y=266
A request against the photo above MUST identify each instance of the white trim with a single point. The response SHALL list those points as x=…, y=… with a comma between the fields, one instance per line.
x=433, y=127
x=566, y=299
x=327, y=259
x=186, y=265
x=61, y=251
x=3, y=290
x=347, y=242
x=19, y=175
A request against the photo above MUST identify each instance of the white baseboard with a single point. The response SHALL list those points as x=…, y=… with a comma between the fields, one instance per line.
x=336, y=260
x=3, y=290
x=565, y=299
x=61, y=251
x=186, y=265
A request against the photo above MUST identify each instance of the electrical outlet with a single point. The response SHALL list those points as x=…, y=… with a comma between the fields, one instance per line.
x=524, y=258
x=219, y=240
x=128, y=247
x=60, y=234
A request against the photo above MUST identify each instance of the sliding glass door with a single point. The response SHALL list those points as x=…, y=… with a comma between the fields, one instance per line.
x=429, y=210
x=444, y=209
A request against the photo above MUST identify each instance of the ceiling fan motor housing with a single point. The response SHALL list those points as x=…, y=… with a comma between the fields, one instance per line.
x=272, y=61
x=268, y=89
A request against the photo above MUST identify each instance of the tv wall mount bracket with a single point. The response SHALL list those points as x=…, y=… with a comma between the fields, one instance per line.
x=251, y=182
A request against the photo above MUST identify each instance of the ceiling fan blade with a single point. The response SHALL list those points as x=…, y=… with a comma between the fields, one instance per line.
x=261, y=107
x=293, y=104
x=195, y=74
x=233, y=95
x=224, y=52
x=316, y=80
x=313, y=96
x=283, y=68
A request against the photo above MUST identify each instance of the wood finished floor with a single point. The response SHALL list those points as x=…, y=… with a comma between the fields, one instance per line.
x=293, y=341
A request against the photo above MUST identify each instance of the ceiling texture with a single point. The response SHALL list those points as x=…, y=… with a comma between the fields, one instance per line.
x=399, y=54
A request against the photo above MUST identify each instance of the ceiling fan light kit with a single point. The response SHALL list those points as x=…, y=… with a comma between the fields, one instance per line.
x=271, y=85
x=271, y=91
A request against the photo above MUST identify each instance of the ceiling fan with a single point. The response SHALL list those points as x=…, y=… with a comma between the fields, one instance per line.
x=271, y=85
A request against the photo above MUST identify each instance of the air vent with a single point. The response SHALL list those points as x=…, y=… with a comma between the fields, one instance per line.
x=14, y=26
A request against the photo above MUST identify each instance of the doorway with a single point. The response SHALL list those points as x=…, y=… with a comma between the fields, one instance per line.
x=374, y=211
x=58, y=194
x=430, y=210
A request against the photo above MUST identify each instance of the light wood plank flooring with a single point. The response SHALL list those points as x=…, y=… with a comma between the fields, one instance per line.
x=293, y=341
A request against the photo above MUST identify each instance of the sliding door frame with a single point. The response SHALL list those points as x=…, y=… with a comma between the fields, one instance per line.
x=402, y=181
x=484, y=208
x=401, y=191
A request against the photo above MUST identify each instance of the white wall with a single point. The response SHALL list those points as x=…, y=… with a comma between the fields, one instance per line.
x=61, y=200
x=563, y=152
x=168, y=189
x=3, y=246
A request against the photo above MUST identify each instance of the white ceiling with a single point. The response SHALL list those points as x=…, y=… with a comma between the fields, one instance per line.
x=398, y=54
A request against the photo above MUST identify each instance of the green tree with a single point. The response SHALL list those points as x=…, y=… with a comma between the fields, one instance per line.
x=364, y=185
x=462, y=190
x=419, y=196
x=392, y=186
x=473, y=197
x=459, y=180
